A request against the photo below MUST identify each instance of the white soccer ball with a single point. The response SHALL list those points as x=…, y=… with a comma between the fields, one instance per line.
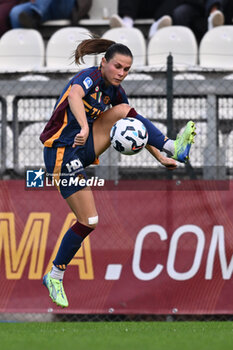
x=128, y=136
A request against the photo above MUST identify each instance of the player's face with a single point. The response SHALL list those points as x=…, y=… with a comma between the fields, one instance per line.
x=116, y=69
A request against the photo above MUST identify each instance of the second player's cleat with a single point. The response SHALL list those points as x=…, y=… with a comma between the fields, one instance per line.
x=183, y=143
x=56, y=290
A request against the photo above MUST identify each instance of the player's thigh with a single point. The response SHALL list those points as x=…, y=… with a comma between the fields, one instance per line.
x=82, y=204
x=102, y=126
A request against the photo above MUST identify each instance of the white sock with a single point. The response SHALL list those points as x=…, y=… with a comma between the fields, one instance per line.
x=128, y=22
x=169, y=147
x=57, y=273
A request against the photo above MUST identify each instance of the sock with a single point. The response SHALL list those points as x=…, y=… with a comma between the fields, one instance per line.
x=169, y=147
x=57, y=273
x=155, y=137
x=70, y=244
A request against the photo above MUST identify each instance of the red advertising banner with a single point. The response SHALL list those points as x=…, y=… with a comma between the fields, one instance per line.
x=160, y=248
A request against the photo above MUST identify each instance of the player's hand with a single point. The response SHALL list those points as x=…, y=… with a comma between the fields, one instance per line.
x=169, y=163
x=81, y=138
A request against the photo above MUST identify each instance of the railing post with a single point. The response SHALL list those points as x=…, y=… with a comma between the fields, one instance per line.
x=3, y=136
x=170, y=128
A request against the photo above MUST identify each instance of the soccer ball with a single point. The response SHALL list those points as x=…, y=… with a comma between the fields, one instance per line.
x=128, y=136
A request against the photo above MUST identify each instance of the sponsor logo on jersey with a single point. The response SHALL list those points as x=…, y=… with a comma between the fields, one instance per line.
x=87, y=82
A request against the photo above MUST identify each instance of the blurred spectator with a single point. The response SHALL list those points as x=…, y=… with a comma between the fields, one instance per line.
x=35, y=12
x=129, y=10
x=199, y=15
x=214, y=14
x=5, y=7
x=80, y=10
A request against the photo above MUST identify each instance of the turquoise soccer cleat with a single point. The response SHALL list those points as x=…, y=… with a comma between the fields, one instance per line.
x=183, y=143
x=56, y=290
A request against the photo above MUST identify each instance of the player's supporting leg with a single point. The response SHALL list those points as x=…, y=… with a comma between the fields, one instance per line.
x=83, y=205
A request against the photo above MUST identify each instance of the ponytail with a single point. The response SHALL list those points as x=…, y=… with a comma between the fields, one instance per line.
x=94, y=46
x=91, y=46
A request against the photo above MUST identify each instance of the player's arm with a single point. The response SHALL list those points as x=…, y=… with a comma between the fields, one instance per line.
x=75, y=97
x=167, y=162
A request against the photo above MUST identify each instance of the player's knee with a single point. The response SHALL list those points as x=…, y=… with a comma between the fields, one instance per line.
x=93, y=221
x=122, y=110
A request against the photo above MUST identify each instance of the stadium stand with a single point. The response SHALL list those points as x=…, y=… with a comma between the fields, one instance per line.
x=133, y=38
x=216, y=48
x=100, y=13
x=22, y=49
x=178, y=40
x=195, y=87
x=61, y=47
x=102, y=9
x=98, y=21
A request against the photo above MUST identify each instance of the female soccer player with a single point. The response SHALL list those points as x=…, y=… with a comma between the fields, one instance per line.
x=79, y=132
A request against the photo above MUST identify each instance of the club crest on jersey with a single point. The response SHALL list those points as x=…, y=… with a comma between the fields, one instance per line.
x=87, y=82
x=106, y=100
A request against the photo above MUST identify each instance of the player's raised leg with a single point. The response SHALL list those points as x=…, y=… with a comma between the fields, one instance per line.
x=178, y=149
x=102, y=126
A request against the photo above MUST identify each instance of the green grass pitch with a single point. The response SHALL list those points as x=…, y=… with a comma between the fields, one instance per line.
x=117, y=336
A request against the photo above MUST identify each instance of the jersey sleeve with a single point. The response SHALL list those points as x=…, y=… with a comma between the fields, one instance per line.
x=121, y=97
x=86, y=79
